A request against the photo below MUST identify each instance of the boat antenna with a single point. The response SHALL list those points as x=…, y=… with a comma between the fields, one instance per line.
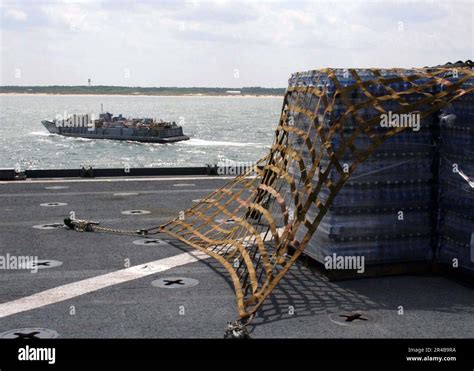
x=102, y=108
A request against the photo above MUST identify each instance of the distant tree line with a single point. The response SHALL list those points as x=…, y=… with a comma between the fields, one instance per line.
x=126, y=90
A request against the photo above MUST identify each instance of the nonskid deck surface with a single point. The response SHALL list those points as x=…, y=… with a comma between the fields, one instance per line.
x=188, y=297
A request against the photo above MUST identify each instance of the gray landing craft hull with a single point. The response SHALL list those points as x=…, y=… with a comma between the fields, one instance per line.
x=167, y=136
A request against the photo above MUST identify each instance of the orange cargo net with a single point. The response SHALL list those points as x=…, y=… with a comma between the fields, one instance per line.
x=250, y=224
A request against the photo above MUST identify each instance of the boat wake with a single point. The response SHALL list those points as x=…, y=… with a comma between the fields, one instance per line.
x=203, y=142
x=40, y=134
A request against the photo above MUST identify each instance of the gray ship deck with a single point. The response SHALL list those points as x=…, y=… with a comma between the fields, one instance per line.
x=434, y=306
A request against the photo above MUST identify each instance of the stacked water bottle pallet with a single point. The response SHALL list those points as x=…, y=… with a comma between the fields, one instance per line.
x=384, y=219
x=456, y=199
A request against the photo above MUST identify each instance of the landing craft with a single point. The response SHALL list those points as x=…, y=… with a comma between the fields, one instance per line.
x=116, y=128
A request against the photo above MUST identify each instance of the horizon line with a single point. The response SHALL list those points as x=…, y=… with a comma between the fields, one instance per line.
x=140, y=87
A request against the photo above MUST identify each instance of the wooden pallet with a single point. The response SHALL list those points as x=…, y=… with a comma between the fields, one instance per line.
x=373, y=270
x=459, y=274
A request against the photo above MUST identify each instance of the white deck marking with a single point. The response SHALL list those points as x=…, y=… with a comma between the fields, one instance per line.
x=72, y=290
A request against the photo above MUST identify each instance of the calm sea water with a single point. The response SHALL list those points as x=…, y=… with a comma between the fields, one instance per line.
x=221, y=128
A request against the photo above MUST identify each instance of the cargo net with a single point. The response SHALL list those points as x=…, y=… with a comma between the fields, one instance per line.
x=259, y=223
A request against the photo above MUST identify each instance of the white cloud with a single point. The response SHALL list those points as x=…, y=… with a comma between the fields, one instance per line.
x=200, y=43
x=16, y=15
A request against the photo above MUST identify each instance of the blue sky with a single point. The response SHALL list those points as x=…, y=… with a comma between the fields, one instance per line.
x=222, y=43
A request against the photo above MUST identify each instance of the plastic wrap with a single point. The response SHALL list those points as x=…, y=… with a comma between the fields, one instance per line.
x=456, y=184
x=385, y=210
